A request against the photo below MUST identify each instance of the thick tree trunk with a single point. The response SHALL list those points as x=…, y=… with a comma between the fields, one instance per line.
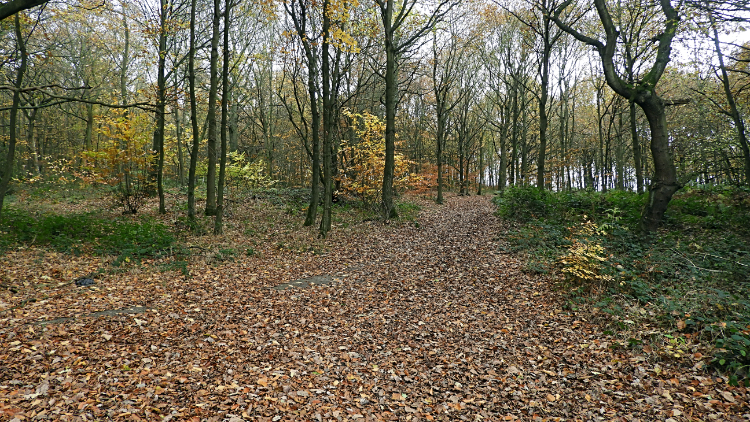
x=664, y=183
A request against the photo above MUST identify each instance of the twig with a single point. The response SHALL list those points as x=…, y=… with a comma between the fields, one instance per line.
x=695, y=266
x=721, y=257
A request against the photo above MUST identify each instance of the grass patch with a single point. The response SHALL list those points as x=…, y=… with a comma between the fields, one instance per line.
x=85, y=233
x=692, y=279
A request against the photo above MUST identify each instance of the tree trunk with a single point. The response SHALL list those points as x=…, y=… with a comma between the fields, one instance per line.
x=161, y=106
x=543, y=119
x=178, y=132
x=89, y=126
x=619, y=165
x=325, y=221
x=636, y=149
x=212, y=98
x=391, y=87
x=219, y=220
x=664, y=183
x=10, y=156
x=734, y=113
x=193, y=115
x=31, y=140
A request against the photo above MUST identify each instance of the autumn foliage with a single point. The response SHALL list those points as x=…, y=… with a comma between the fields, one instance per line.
x=364, y=160
x=123, y=159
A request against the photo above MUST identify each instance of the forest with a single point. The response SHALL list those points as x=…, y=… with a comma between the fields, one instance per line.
x=326, y=209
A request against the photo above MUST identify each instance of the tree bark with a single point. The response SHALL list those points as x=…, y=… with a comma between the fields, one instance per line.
x=193, y=115
x=391, y=87
x=636, y=149
x=325, y=221
x=219, y=220
x=664, y=183
x=211, y=117
x=10, y=156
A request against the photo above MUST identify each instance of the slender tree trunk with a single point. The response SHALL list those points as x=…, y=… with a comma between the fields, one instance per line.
x=31, y=140
x=514, y=135
x=325, y=221
x=600, y=127
x=391, y=87
x=636, y=149
x=219, y=220
x=212, y=98
x=619, y=165
x=161, y=107
x=178, y=132
x=734, y=113
x=193, y=115
x=88, y=140
x=481, y=164
x=543, y=119
x=10, y=156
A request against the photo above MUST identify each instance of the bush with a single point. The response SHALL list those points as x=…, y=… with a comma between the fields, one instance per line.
x=524, y=203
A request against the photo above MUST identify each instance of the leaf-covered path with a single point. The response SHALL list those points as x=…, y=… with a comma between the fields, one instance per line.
x=423, y=322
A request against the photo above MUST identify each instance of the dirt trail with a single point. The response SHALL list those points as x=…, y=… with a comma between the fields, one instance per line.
x=421, y=323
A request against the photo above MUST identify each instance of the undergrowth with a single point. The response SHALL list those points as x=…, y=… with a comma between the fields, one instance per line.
x=692, y=278
x=85, y=233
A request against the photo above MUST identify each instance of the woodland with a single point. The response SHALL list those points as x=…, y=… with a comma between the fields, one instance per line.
x=275, y=210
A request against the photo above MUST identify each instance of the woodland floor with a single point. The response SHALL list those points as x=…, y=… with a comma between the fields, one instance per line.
x=427, y=321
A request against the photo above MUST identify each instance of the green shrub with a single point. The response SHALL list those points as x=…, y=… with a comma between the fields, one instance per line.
x=524, y=203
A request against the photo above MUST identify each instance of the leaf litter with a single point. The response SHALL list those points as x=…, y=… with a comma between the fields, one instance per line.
x=420, y=322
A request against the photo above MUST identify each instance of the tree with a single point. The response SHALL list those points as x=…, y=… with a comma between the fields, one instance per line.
x=544, y=28
x=10, y=157
x=445, y=74
x=193, y=115
x=393, y=18
x=211, y=118
x=219, y=220
x=643, y=92
x=298, y=11
x=731, y=110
